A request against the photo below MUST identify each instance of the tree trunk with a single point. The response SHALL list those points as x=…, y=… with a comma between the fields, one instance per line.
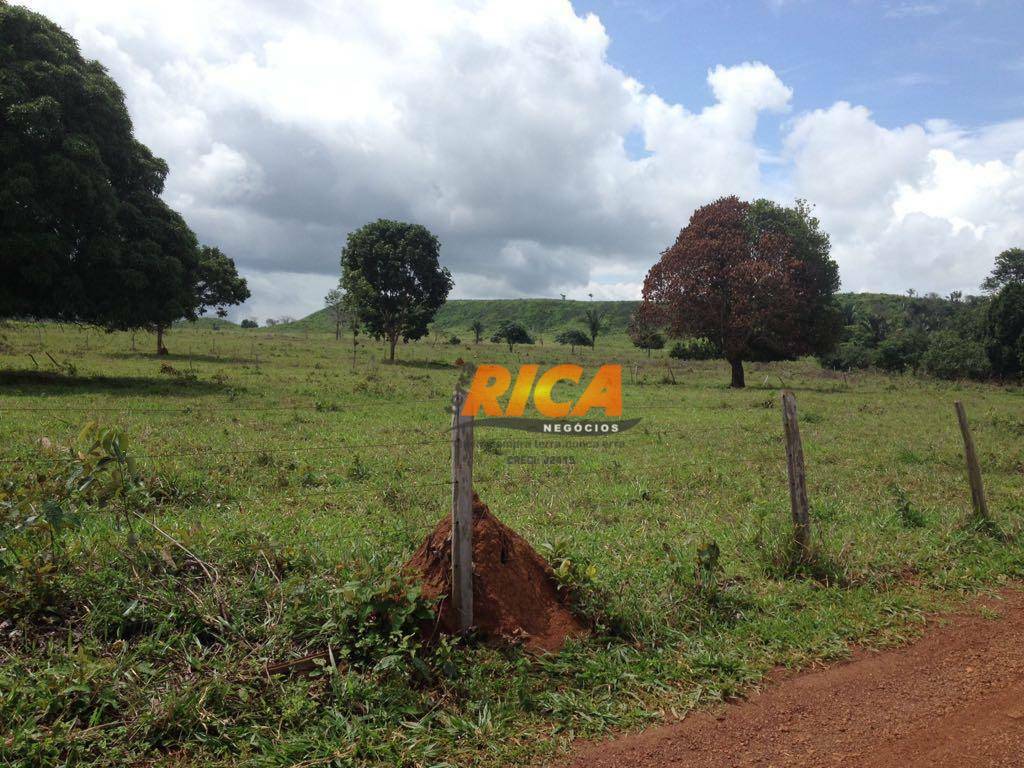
x=737, y=374
x=160, y=348
x=394, y=341
x=337, y=331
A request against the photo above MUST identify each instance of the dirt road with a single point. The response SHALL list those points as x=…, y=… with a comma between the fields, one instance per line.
x=955, y=698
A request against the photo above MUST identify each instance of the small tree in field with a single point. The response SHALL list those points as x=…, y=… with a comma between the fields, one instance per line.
x=755, y=280
x=512, y=333
x=337, y=310
x=478, y=331
x=644, y=334
x=574, y=337
x=395, y=283
x=593, y=319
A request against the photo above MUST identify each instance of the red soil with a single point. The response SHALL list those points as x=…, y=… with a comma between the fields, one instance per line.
x=515, y=596
x=953, y=699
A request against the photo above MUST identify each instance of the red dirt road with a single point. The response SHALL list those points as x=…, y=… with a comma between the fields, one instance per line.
x=954, y=698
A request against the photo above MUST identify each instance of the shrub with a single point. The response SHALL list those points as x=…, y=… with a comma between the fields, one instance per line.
x=694, y=349
x=949, y=356
x=900, y=351
x=848, y=356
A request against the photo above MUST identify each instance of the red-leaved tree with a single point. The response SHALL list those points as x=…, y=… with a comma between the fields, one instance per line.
x=742, y=285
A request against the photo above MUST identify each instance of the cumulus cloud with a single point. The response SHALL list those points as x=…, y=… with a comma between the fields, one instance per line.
x=502, y=126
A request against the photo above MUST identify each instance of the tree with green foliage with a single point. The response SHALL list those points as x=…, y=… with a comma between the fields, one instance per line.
x=84, y=234
x=337, y=310
x=249, y=323
x=392, y=274
x=645, y=334
x=813, y=272
x=512, y=333
x=573, y=337
x=1006, y=331
x=951, y=356
x=1009, y=269
x=478, y=331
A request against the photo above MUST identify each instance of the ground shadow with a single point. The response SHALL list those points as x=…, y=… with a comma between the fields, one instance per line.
x=179, y=358
x=436, y=365
x=32, y=383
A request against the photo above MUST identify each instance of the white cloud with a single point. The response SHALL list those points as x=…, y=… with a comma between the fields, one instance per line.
x=501, y=125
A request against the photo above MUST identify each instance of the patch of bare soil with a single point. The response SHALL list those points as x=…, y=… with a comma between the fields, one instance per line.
x=953, y=698
x=515, y=595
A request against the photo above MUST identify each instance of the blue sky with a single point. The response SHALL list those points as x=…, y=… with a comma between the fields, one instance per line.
x=959, y=60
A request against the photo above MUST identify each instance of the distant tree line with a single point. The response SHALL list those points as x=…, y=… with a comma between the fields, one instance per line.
x=957, y=337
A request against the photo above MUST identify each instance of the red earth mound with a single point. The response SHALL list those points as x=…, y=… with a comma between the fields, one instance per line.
x=515, y=596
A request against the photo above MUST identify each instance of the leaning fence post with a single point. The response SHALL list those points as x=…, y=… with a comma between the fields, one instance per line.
x=462, y=512
x=797, y=477
x=973, y=467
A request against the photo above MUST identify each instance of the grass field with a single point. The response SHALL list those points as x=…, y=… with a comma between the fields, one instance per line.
x=302, y=480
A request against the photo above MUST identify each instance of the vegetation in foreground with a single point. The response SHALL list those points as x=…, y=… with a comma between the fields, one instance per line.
x=248, y=500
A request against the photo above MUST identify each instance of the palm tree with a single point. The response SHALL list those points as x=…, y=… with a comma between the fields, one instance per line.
x=594, y=320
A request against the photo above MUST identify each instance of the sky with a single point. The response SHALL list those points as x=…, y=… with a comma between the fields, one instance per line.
x=559, y=147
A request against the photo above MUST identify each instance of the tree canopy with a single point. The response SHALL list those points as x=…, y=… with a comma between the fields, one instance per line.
x=512, y=333
x=84, y=235
x=754, y=279
x=392, y=274
x=1009, y=269
x=645, y=334
x=1006, y=330
x=573, y=337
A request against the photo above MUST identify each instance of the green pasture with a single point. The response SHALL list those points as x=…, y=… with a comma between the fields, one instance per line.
x=303, y=475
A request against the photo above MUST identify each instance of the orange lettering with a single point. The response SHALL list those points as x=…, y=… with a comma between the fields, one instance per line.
x=545, y=385
x=489, y=383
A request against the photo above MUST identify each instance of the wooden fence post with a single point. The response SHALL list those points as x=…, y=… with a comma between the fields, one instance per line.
x=797, y=477
x=973, y=467
x=462, y=512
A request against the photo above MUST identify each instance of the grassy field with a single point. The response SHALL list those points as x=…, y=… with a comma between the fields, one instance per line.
x=300, y=477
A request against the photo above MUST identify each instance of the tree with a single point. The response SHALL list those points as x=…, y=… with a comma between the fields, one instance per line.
x=84, y=234
x=1009, y=269
x=813, y=273
x=574, y=337
x=68, y=161
x=643, y=333
x=753, y=280
x=391, y=271
x=511, y=333
x=337, y=310
x=249, y=323
x=950, y=356
x=593, y=319
x=1006, y=330
x=478, y=331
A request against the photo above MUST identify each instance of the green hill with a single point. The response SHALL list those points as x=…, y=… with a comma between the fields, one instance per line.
x=548, y=315
x=544, y=315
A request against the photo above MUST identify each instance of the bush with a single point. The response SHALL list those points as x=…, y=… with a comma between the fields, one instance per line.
x=249, y=323
x=694, y=349
x=848, y=356
x=949, y=356
x=900, y=351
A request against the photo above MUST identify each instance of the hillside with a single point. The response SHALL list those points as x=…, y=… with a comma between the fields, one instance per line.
x=547, y=315
x=544, y=315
